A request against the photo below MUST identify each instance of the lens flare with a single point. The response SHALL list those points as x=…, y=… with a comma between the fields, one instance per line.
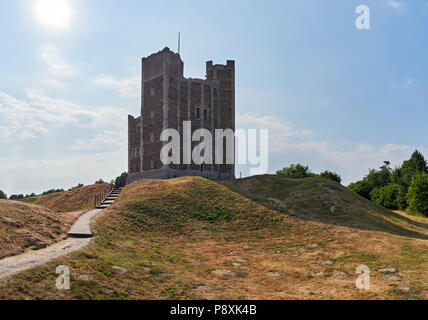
x=54, y=13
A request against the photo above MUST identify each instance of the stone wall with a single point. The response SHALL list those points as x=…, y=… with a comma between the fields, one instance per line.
x=134, y=146
x=167, y=100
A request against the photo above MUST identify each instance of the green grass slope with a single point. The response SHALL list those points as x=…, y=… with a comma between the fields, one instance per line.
x=318, y=199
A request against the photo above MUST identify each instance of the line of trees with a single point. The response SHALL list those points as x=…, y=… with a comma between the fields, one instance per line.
x=404, y=188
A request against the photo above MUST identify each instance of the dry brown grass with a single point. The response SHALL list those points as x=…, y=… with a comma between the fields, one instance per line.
x=164, y=239
x=26, y=226
x=68, y=201
x=30, y=226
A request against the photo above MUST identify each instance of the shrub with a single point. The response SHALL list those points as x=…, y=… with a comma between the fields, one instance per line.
x=76, y=187
x=331, y=176
x=3, y=195
x=16, y=197
x=121, y=180
x=417, y=196
x=52, y=191
x=363, y=188
x=297, y=171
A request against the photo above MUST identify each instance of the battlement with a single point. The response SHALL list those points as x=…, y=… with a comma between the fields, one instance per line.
x=230, y=65
x=162, y=62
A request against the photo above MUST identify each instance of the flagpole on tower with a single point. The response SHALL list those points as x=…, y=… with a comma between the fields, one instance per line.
x=179, y=40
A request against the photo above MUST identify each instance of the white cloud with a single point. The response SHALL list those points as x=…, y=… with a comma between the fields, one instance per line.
x=394, y=4
x=39, y=115
x=29, y=173
x=98, y=149
x=127, y=88
x=106, y=139
x=53, y=84
x=275, y=125
x=55, y=63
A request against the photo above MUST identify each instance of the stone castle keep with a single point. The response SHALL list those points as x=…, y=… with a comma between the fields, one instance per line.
x=168, y=99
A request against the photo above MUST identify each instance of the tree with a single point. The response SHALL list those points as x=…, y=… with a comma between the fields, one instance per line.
x=3, y=195
x=331, y=176
x=379, y=178
x=297, y=171
x=16, y=197
x=386, y=196
x=121, y=180
x=417, y=196
x=363, y=188
x=391, y=188
x=418, y=162
x=101, y=181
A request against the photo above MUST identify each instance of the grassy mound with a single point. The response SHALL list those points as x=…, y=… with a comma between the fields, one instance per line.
x=182, y=205
x=25, y=226
x=191, y=238
x=322, y=200
x=67, y=201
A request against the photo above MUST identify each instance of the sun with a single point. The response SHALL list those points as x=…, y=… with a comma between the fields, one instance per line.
x=54, y=13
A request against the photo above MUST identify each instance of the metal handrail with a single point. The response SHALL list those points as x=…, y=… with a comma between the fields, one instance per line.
x=100, y=197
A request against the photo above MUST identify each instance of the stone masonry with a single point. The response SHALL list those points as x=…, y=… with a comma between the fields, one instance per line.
x=168, y=99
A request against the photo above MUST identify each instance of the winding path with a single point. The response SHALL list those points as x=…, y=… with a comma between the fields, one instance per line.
x=12, y=265
x=80, y=235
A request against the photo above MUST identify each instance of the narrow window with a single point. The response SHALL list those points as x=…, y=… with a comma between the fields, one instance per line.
x=152, y=115
x=152, y=164
x=152, y=138
x=198, y=113
x=152, y=91
x=205, y=114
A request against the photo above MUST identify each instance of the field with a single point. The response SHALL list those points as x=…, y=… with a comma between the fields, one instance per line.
x=258, y=238
x=67, y=201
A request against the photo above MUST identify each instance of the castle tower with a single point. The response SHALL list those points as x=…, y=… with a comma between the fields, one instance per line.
x=168, y=99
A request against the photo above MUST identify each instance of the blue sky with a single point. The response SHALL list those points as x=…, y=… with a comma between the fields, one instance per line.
x=333, y=97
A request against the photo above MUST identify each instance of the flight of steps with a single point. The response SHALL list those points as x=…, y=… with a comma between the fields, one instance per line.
x=110, y=199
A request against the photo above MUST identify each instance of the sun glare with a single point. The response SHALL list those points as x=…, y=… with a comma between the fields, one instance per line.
x=54, y=13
